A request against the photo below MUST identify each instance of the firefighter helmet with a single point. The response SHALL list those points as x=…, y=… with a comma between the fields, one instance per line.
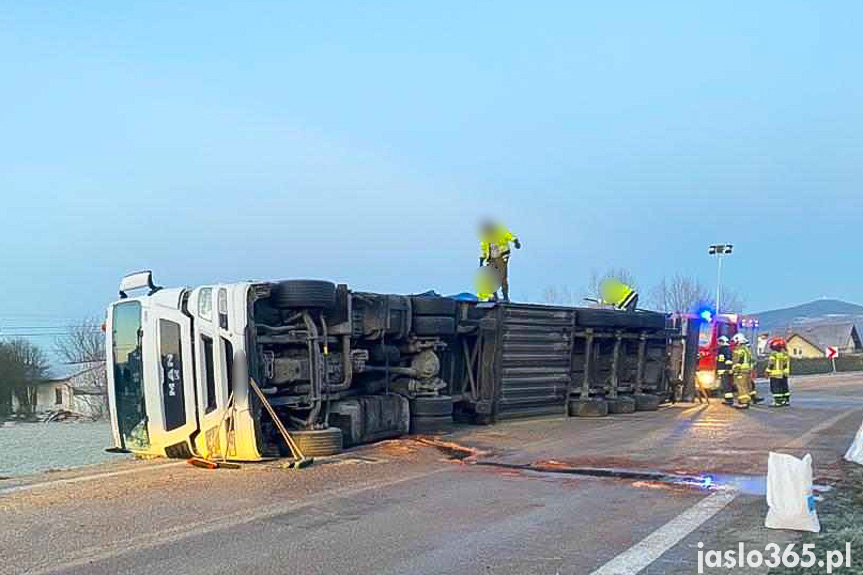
x=777, y=344
x=723, y=340
x=739, y=339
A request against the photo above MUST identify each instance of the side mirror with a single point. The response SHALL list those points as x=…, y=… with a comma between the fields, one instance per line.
x=138, y=280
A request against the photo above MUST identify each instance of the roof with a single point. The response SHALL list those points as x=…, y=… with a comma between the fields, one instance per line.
x=73, y=370
x=70, y=370
x=824, y=335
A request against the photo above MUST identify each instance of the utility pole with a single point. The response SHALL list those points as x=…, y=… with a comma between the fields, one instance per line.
x=719, y=250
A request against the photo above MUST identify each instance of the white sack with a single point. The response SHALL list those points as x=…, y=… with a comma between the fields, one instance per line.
x=855, y=452
x=789, y=494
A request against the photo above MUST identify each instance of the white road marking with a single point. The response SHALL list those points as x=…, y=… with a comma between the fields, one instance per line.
x=649, y=549
x=82, y=478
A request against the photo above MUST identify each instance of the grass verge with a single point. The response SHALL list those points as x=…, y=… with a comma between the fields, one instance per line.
x=841, y=516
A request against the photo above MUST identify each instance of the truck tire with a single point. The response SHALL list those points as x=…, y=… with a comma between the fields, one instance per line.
x=433, y=305
x=319, y=442
x=621, y=404
x=430, y=423
x=433, y=325
x=646, y=402
x=588, y=408
x=305, y=293
x=431, y=406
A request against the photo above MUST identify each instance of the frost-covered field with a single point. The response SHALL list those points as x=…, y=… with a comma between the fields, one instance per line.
x=33, y=447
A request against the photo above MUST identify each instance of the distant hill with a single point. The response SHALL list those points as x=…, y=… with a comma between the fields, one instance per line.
x=821, y=310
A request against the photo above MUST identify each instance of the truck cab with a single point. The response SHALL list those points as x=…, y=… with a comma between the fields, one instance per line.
x=174, y=384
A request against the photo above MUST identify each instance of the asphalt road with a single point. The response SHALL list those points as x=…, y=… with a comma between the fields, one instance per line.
x=407, y=507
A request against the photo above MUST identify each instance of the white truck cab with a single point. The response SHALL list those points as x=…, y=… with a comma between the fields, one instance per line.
x=174, y=382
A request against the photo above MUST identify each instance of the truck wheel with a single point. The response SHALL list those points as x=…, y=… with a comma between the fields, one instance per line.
x=588, y=408
x=305, y=293
x=430, y=423
x=433, y=325
x=431, y=406
x=621, y=404
x=646, y=401
x=319, y=442
x=432, y=305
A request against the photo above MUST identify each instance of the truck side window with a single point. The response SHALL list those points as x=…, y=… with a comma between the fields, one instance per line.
x=223, y=308
x=205, y=303
x=229, y=364
x=209, y=374
x=172, y=374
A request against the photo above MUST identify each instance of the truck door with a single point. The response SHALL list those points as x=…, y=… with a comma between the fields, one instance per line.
x=212, y=369
x=172, y=415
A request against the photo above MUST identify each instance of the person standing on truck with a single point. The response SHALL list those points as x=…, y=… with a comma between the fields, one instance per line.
x=616, y=293
x=724, y=365
x=778, y=370
x=742, y=369
x=494, y=250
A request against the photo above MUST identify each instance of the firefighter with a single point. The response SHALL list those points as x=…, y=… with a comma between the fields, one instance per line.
x=616, y=293
x=778, y=370
x=494, y=250
x=742, y=369
x=724, y=364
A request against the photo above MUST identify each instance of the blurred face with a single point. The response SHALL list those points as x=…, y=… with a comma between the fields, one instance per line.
x=487, y=228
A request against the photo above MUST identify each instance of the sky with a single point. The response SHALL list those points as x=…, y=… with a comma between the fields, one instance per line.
x=361, y=142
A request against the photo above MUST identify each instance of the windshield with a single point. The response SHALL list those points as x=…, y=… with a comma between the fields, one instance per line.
x=129, y=374
x=705, y=334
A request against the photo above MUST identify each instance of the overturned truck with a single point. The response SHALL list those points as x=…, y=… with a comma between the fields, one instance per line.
x=341, y=368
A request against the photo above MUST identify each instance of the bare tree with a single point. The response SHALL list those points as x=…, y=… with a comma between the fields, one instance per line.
x=686, y=294
x=554, y=295
x=549, y=294
x=83, y=346
x=22, y=367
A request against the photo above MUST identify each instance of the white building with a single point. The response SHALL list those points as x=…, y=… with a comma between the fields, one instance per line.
x=84, y=392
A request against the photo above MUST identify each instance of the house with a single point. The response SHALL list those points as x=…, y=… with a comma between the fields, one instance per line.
x=811, y=341
x=84, y=391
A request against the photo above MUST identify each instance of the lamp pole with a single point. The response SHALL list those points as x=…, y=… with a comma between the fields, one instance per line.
x=719, y=250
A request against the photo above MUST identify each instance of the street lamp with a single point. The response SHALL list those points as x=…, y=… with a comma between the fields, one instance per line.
x=719, y=250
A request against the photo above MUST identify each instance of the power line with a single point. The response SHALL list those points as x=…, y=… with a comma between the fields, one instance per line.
x=54, y=327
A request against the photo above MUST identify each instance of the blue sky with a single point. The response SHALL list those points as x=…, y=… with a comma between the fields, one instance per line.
x=361, y=142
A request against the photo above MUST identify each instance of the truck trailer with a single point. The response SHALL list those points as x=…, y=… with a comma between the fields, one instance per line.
x=342, y=367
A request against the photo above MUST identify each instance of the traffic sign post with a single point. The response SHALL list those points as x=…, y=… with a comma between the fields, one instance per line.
x=832, y=353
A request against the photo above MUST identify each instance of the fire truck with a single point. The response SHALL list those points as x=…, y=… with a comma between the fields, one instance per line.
x=711, y=328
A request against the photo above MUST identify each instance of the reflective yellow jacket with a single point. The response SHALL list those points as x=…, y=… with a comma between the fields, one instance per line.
x=496, y=245
x=615, y=292
x=742, y=360
x=779, y=365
